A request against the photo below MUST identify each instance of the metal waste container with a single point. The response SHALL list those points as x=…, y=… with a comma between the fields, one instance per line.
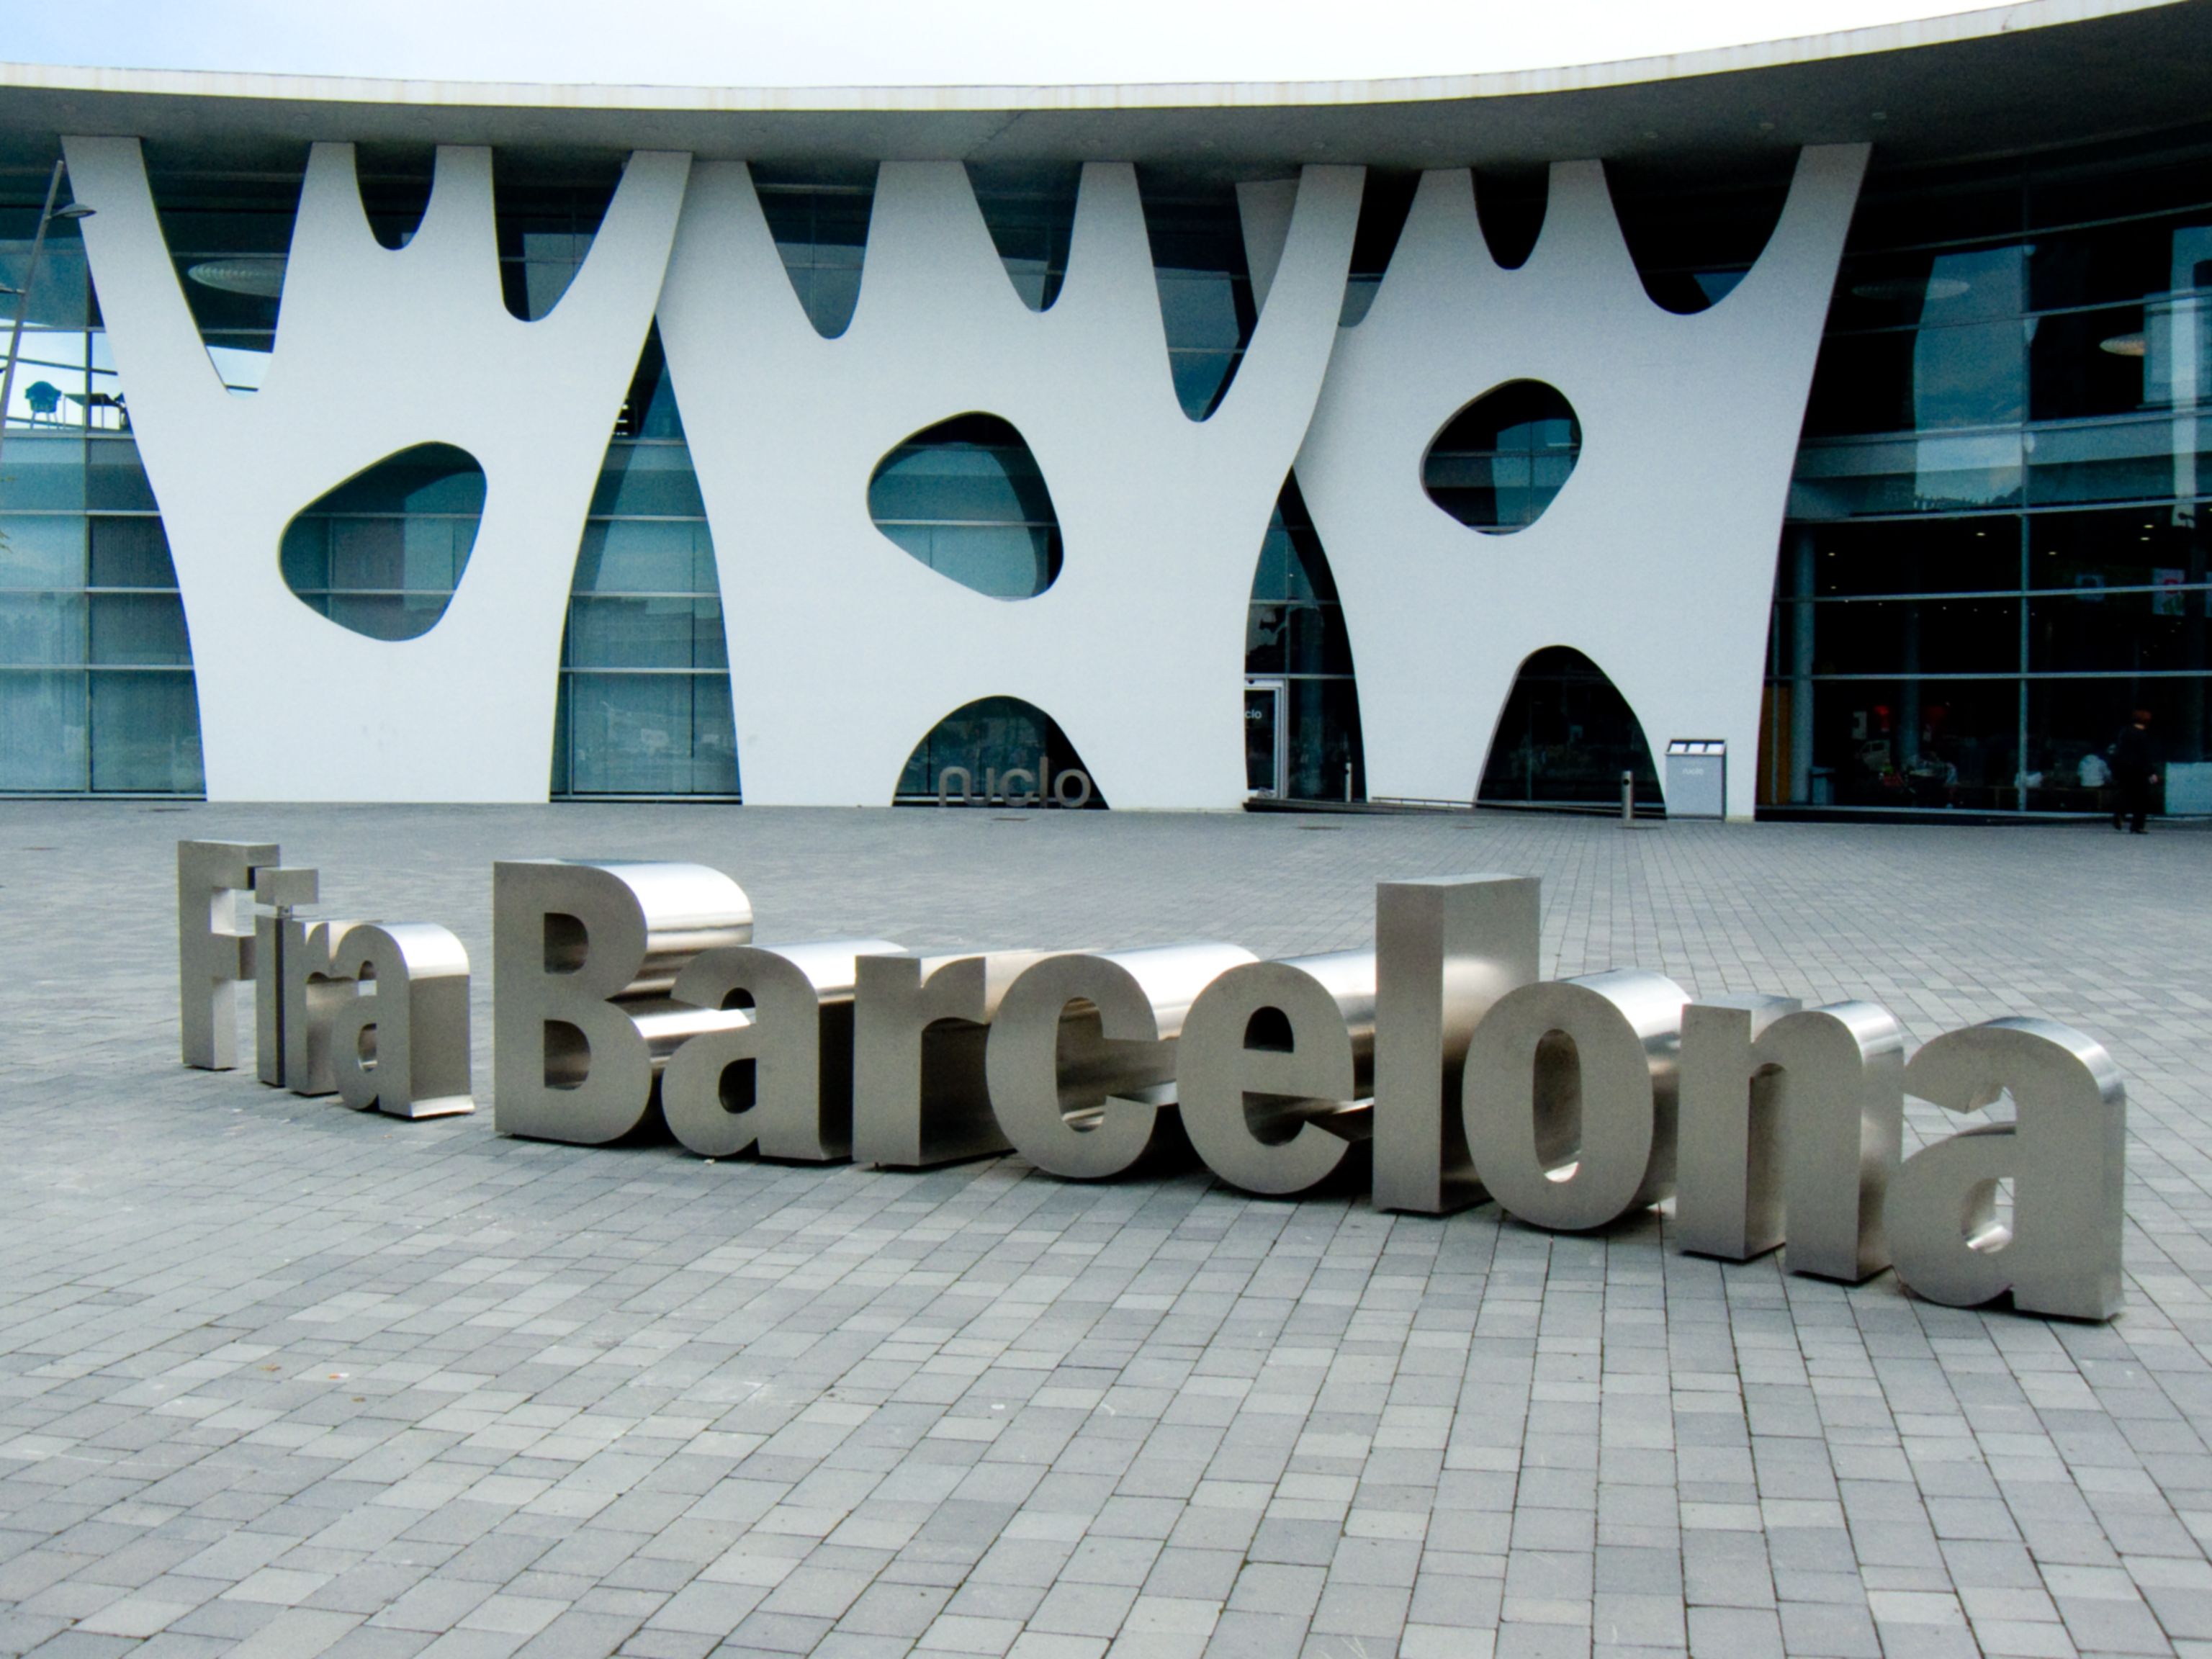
x=1697, y=778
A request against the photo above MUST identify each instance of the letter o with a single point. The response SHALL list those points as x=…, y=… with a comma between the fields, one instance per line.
x=1083, y=786
x=1569, y=1098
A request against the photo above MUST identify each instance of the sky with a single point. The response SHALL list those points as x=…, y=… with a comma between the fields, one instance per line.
x=799, y=43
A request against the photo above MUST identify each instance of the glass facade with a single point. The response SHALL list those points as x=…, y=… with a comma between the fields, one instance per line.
x=1302, y=703
x=966, y=498
x=1993, y=550
x=1996, y=548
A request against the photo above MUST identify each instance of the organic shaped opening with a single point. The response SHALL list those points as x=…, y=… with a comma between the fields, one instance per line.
x=1498, y=462
x=1197, y=237
x=229, y=252
x=1030, y=210
x=997, y=751
x=1509, y=203
x=395, y=182
x=966, y=498
x=545, y=223
x=1693, y=236
x=1302, y=739
x=1565, y=737
x=1383, y=205
x=820, y=223
x=645, y=706
x=382, y=553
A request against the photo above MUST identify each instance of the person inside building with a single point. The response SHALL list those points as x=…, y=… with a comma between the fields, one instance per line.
x=2134, y=772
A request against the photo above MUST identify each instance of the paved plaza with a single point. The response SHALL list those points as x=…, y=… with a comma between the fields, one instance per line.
x=278, y=1380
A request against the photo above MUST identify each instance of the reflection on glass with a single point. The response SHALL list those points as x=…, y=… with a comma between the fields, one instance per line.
x=821, y=229
x=966, y=498
x=1295, y=638
x=1205, y=287
x=1501, y=461
x=1565, y=737
x=986, y=740
x=383, y=552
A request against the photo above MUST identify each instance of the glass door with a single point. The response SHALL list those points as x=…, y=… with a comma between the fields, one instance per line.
x=1266, y=738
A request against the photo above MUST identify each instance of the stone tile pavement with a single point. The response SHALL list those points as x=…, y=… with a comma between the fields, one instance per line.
x=279, y=1380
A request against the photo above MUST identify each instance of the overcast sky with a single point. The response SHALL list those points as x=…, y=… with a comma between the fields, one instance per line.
x=902, y=42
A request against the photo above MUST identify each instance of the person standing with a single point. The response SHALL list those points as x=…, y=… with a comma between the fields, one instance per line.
x=2134, y=772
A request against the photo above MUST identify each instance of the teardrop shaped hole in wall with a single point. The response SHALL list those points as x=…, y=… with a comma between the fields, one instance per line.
x=1564, y=738
x=1509, y=203
x=967, y=498
x=819, y=217
x=546, y=218
x=395, y=181
x=1029, y=208
x=1695, y=230
x=1500, y=461
x=382, y=553
x=1205, y=283
x=980, y=742
x=1384, y=201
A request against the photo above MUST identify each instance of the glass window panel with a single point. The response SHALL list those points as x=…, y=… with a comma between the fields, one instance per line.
x=2147, y=258
x=638, y=734
x=1909, y=555
x=2072, y=722
x=1317, y=643
x=1567, y=735
x=2098, y=632
x=1266, y=636
x=44, y=473
x=41, y=629
x=42, y=735
x=2088, y=363
x=1916, y=636
x=2129, y=461
x=384, y=615
x=146, y=734
x=2125, y=547
x=646, y=555
x=619, y=633
x=1199, y=378
x=41, y=551
x=1940, y=472
x=1324, y=741
x=647, y=480
x=139, y=628
x=130, y=553
x=1900, y=743
x=114, y=479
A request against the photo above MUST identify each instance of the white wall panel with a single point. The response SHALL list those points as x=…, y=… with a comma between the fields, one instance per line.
x=844, y=650
x=1657, y=559
x=378, y=350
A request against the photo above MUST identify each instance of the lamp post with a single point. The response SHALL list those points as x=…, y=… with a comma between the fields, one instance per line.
x=47, y=215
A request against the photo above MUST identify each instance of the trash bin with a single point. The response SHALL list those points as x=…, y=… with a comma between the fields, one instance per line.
x=1697, y=778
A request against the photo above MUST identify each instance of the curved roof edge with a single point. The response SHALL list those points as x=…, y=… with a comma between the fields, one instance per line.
x=1950, y=29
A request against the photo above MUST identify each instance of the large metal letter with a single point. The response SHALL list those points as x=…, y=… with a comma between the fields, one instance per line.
x=1448, y=949
x=1080, y=1096
x=919, y=1027
x=280, y=890
x=1273, y=1065
x=782, y=1081
x=2066, y=1154
x=1569, y=1094
x=403, y=1047
x=312, y=993
x=1790, y=1129
x=212, y=955
x=583, y=959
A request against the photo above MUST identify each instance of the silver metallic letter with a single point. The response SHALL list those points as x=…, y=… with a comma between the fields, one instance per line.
x=583, y=959
x=1448, y=949
x=280, y=890
x=1081, y=1096
x=1270, y=1069
x=1791, y=1123
x=212, y=955
x=919, y=1028
x=791, y=1094
x=311, y=993
x=2066, y=1154
x=403, y=1046
x=1569, y=1098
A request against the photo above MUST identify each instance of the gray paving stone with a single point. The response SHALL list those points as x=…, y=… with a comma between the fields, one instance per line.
x=277, y=1379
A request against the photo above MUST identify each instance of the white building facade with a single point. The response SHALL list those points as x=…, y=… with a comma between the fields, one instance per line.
x=1152, y=447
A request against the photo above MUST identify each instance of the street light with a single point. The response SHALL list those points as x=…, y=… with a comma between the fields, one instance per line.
x=46, y=217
